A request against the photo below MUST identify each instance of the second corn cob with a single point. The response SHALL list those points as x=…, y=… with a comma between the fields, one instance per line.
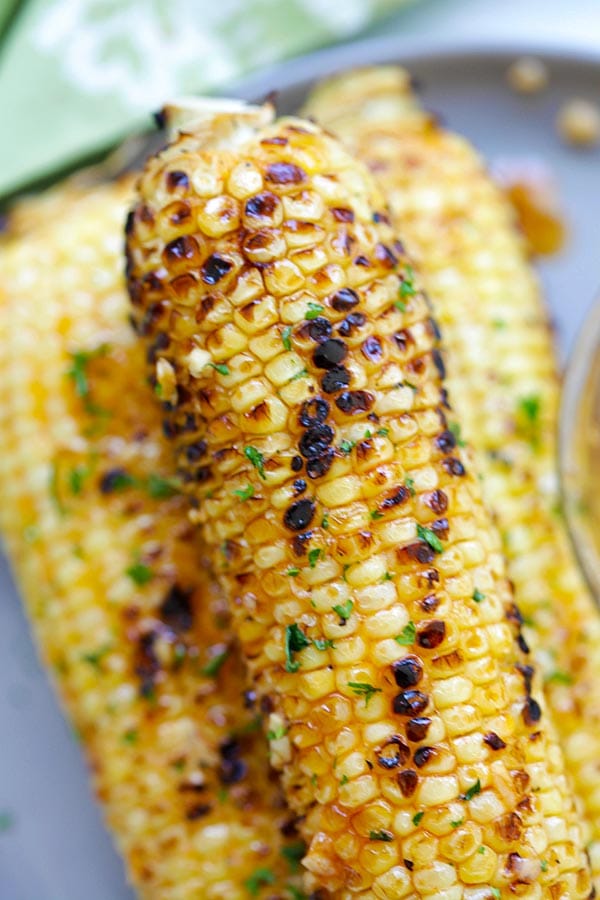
x=300, y=378
x=501, y=372
x=136, y=636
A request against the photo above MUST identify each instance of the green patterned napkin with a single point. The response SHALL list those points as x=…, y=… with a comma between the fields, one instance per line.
x=77, y=75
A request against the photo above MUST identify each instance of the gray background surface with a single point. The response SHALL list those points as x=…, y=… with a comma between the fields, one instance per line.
x=57, y=848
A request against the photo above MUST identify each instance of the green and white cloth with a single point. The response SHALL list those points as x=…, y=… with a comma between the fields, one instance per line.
x=78, y=75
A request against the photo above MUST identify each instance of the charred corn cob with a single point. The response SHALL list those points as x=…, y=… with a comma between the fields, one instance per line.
x=300, y=377
x=136, y=636
x=501, y=371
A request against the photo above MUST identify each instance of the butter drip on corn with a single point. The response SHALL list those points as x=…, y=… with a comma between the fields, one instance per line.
x=136, y=636
x=502, y=373
x=300, y=377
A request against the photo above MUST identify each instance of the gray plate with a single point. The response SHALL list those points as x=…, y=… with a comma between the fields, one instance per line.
x=57, y=848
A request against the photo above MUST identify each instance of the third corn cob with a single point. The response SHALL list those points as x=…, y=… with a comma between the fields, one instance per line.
x=115, y=585
x=300, y=378
x=501, y=371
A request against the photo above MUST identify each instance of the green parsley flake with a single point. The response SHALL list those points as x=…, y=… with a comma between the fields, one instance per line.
x=408, y=635
x=293, y=572
x=314, y=310
x=544, y=864
x=323, y=643
x=158, y=487
x=313, y=556
x=454, y=427
x=426, y=534
x=301, y=374
x=295, y=640
x=400, y=304
x=277, y=733
x=245, y=493
x=473, y=790
x=347, y=446
x=457, y=823
x=221, y=368
x=344, y=780
x=213, y=666
x=388, y=576
x=382, y=432
x=325, y=521
x=256, y=458
x=55, y=490
x=375, y=514
x=496, y=892
x=530, y=407
x=130, y=737
x=407, y=287
x=77, y=372
x=293, y=853
x=478, y=596
x=410, y=484
x=381, y=835
x=417, y=817
x=285, y=337
x=344, y=610
x=139, y=573
x=363, y=689
x=259, y=878
x=77, y=476
x=481, y=849
x=558, y=677
x=95, y=657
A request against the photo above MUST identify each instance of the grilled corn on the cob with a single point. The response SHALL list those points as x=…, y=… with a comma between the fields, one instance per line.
x=501, y=372
x=300, y=378
x=114, y=583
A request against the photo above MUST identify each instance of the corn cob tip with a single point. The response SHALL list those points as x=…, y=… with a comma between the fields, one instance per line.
x=214, y=119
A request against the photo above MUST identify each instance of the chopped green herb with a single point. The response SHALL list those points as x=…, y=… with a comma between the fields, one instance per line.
x=313, y=556
x=77, y=372
x=498, y=323
x=77, y=476
x=325, y=521
x=481, y=849
x=293, y=853
x=529, y=407
x=213, y=666
x=258, y=879
x=179, y=765
x=313, y=779
x=381, y=835
x=544, y=864
x=344, y=572
x=277, y=733
x=388, y=576
x=557, y=677
x=95, y=657
x=363, y=689
x=221, y=368
x=496, y=892
x=295, y=893
x=179, y=654
x=139, y=573
x=410, y=484
x=478, y=596
x=158, y=487
x=408, y=635
x=454, y=427
x=301, y=374
x=54, y=490
x=375, y=514
x=400, y=304
x=426, y=534
x=347, y=446
x=293, y=572
x=407, y=287
x=245, y=494
x=295, y=640
x=473, y=790
x=383, y=432
x=7, y=820
x=314, y=309
x=222, y=795
x=344, y=609
x=344, y=780
x=323, y=643
x=417, y=817
x=256, y=458
x=130, y=737
x=285, y=337
x=457, y=823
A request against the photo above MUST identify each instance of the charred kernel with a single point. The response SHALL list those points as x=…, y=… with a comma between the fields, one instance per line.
x=527, y=672
x=407, y=671
x=344, y=300
x=523, y=645
x=403, y=338
x=232, y=770
x=434, y=329
x=176, y=610
x=249, y=699
x=354, y=402
x=361, y=261
x=441, y=528
x=318, y=330
x=261, y=206
x=394, y=753
x=299, y=486
x=381, y=217
x=513, y=615
x=444, y=399
x=297, y=463
x=202, y=474
x=313, y=412
x=197, y=811
x=195, y=452
x=409, y=864
x=432, y=634
x=453, y=466
x=341, y=214
x=445, y=442
x=299, y=542
x=532, y=711
x=185, y=247
x=315, y=440
x=429, y=603
x=417, y=728
x=494, y=741
x=170, y=429
x=351, y=323
x=423, y=755
x=330, y=353
x=319, y=465
x=419, y=551
x=285, y=173
x=115, y=480
x=372, y=349
x=439, y=363
x=399, y=496
x=176, y=179
x=129, y=222
x=147, y=665
x=385, y=256
x=437, y=501
x=407, y=782
x=299, y=515
x=215, y=268
x=335, y=379
x=410, y=703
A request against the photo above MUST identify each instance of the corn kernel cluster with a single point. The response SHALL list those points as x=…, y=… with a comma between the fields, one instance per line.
x=114, y=581
x=301, y=383
x=502, y=374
